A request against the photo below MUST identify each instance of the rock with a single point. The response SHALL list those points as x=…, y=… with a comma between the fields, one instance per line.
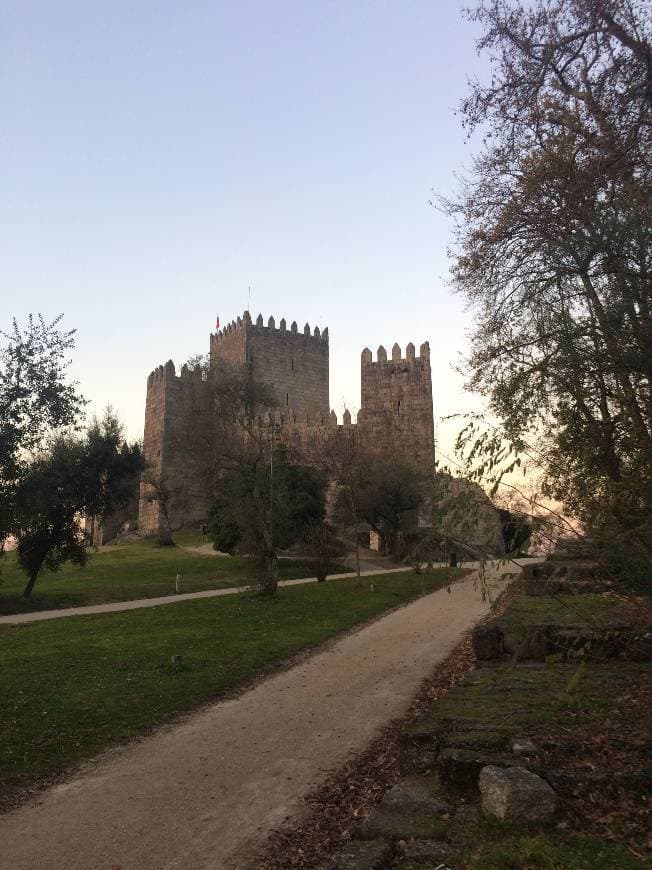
x=564, y=578
x=412, y=794
x=447, y=725
x=534, y=586
x=357, y=855
x=488, y=641
x=482, y=741
x=541, y=571
x=533, y=643
x=569, y=782
x=515, y=794
x=431, y=851
x=415, y=757
x=424, y=734
x=638, y=646
x=524, y=746
x=465, y=821
x=408, y=825
x=460, y=768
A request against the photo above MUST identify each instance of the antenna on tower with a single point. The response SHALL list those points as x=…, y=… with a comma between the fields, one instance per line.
x=249, y=301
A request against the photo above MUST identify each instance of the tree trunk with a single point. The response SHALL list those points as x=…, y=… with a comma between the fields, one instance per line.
x=269, y=580
x=165, y=535
x=357, y=551
x=27, y=593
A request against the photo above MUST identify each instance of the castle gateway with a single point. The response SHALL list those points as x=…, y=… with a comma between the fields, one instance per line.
x=396, y=413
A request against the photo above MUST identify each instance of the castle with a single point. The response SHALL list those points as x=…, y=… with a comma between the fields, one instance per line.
x=396, y=413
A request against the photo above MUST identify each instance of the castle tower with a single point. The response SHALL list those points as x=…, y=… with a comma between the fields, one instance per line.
x=177, y=447
x=396, y=411
x=294, y=362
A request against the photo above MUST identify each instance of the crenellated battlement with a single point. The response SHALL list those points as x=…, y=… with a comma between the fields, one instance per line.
x=396, y=397
x=245, y=325
x=410, y=356
x=180, y=428
x=168, y=372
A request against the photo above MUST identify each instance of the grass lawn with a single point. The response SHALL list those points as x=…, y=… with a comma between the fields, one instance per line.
x=138, y=569
x=587, y=611
x=588, y=718
x=596, y=714
x=499, y=846
x=72, y=687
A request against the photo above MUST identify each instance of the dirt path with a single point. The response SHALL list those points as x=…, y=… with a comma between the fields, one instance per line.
x=204, y=793
x=139, y=603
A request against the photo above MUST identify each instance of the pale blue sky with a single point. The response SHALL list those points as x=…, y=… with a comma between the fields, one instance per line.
x=156, y=158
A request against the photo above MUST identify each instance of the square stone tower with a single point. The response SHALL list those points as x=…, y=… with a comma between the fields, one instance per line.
x=294, y=363
x=396, y=413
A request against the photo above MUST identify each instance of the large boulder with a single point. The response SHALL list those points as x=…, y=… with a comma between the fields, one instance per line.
x=514, y=794
x=459, y=769
x=488, y=641
x=417, y=748
x=467, y=517
x=413, y=794
x=372, y=855
x=567, y=578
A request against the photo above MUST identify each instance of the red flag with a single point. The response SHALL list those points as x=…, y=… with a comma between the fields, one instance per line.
x=217, y=322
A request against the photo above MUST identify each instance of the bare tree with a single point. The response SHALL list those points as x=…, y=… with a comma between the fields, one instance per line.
x=554, y=249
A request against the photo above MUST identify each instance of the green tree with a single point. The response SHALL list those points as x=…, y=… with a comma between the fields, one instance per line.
x=324, y=546
x=384, y=491
x=48, y=504
x=111, y=466
x=73, y=477
x=260, y=508
x=554, y=249
x=263, y=501
x=35, y=400
x=517, y=530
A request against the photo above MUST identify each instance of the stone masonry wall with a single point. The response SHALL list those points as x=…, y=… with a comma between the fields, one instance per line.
x=230, y=343
x=177, y=446
x=396, y=412
x=294, y=363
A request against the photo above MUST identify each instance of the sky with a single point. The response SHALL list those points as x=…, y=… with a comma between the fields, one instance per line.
x=157, y=159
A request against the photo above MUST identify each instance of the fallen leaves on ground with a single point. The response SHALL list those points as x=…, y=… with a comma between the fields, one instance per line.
x=332, y=812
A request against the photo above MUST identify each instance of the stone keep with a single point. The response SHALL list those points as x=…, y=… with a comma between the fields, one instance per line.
x=396, y=413
x=294, y=363
x=396, y=403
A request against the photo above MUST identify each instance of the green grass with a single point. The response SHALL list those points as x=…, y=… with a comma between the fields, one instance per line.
x=563, y=609
x=590, y=612
x=580, y=705
x=524, y=700
x=72, y=687
x=138, y=569
x=505, y=847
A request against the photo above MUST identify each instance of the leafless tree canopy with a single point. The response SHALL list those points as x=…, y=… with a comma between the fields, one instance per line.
x=554, y=244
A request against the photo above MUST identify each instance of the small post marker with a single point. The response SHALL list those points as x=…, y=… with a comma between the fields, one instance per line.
x=177, y=583
x=372, y=587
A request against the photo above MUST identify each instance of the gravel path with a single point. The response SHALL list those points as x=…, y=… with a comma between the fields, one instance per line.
x=139, y=603
x=206, y=792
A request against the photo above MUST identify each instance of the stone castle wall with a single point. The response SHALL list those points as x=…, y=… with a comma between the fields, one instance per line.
x=176, y=445
x=396, y=413
x=294, y=363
